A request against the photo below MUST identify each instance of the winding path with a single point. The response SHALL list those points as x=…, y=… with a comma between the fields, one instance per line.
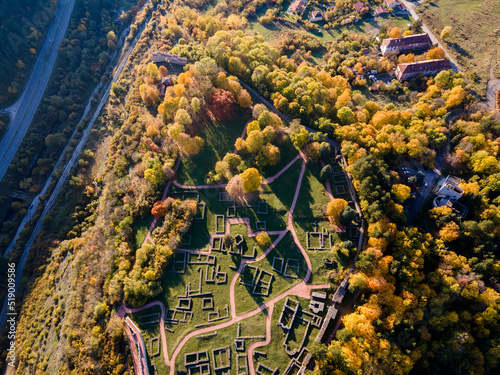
x=301, y=289
x=251, y=348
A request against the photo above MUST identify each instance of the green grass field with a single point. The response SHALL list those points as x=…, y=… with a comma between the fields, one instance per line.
x=254, y=326
x=140, y=228
x=219, y=140
x=278, y=195
x=276, y=357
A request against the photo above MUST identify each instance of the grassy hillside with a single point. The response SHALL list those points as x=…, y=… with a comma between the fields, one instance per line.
x=475, y=30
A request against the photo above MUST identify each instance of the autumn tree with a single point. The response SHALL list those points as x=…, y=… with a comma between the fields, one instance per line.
x=346, y=116
x=449, y=232
x=153, y=73
x=251, y=180
x=252, y=125
x=221, y=104
x=356, y=282
x=446, y=33
x=222, y=169
x=299, y=136
x=255, y=141
x=244, y=99
x=235, y=188
x=159, y=209
x=456, y=97
x=435, y=53
x=163, y=70
x=154, y=171
x=190, y=145
x=334, y=209
x=112, y=40
x=395, y=32
x=149, y=95
x=263, y=239
x=272, y=154
x=401, y=192
x=233, y=160
x=312, y=151
x=182, y=117
x=175, y=130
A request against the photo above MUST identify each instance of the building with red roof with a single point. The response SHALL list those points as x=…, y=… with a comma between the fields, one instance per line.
x=394, y=46
x=410, y=70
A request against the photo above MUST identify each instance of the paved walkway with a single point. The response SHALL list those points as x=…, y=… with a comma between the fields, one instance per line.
x=212, y=186
x=251, y=366
x=301, y=289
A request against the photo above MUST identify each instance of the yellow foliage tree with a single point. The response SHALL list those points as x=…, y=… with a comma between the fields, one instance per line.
x=240, y=144
x=395, y=32
x=255, y=141
x=470, y=188
x=449, y=232
x=244, y=99
x=446, y=33
x=190, y=145
x=253, y=125
x=263, y=239
x=149, y=95
x=272, y=153
x=401, y=192
x=456, y=97
x=343, y=99
x=334, y=209
x=251, y=179
x=435, y=53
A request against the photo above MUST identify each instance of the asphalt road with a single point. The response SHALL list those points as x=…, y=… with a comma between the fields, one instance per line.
x=34, y=203
x=67, y=169
x=22, y=112
x=493, y=87
x=423, y=193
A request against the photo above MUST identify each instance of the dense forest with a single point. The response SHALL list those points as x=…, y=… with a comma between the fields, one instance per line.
x=23, y=24
x=428, y=291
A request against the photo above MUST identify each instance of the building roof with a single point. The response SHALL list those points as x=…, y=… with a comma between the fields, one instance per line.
x=316, y=14
x=456, y=207
x=359, y=6
x=407, y=40
x=296, y=6
x=380, y=10
x=454, y=180
x=424, y=66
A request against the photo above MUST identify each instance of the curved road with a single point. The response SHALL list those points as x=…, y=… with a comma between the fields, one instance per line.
x=22, y=112
x=67, y=169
